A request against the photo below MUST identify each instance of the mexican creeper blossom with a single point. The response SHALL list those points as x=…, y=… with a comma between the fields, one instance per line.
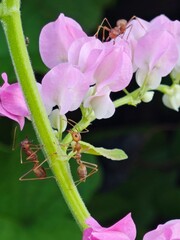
x=56, y=38
x=173, y=27
x=172, y=98
x=112, y=74
x=12, y=103
x=168, y=231
x=123, y=230
x=156, y=54
x=63, y=86
x=106, y=66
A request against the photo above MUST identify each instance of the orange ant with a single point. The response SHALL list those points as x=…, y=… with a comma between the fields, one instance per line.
x=38, y=170
x=121, y=26
x=82, y=168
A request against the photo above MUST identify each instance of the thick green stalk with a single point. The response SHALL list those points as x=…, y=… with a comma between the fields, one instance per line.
x=10, y=17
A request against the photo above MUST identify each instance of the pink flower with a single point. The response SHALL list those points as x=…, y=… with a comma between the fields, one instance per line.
x=85, y=53
x=155, y=58
x=136, y=29
x=112, y=73
x=100, y=102
x=64, y=86
x=168, y=231
x=171, y=98
x=115, y=68
x=123, y=230
x=56, y=38
x=173, y=27
x=12, y=103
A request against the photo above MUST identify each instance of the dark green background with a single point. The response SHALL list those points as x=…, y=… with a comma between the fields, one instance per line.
x=146, y=184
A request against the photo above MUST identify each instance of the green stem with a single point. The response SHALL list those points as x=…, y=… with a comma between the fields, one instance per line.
x=132, y=98
x=10, y=17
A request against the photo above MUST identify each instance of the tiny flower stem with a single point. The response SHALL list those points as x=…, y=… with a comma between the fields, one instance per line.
x=132, y=98
x=10, y=17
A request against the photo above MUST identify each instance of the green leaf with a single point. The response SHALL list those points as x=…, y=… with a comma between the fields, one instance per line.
x=113, y=154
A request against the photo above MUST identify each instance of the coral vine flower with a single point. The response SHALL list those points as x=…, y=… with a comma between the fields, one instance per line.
x=168, y=231
x=12, y=103
x=113, y=73
x=115, y=68
x=100, y=102
x=85, y=53
x=172, y=98
x=64, y=86
x=56, y=38
x=173, y=27
x=106, y=66
x=155, y=58
x=123, y=230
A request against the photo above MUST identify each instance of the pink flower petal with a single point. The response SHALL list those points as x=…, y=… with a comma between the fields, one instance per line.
x=64, y=86
x=101, y=103
x=115, y=69
x=6, y=84
x=123, y=230
x=168, y=231
x=151, y=52
x=85, y=54
x=153, y=79
x=109, y=236
x=13, y=100
x=56, y=38
x=12, y=104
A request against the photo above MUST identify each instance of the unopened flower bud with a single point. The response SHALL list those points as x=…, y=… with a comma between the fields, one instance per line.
x=148, y=96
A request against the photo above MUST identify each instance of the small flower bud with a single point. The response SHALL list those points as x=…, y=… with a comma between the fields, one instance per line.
x=148, y=96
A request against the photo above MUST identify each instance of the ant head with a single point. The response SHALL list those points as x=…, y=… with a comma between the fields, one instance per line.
x=121, y=23
x=76, y=136
x=25, y=143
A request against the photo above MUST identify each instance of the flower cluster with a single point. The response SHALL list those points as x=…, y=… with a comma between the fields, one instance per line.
x=12, y=103
x=156, y=52
x=125, y=229
x=85, y=70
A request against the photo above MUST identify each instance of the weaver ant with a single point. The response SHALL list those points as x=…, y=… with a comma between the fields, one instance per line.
x=113, y=32
x=31, y=152
x=83, y=166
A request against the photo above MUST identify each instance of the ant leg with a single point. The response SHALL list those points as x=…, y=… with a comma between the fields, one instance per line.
x=28, y=158
x=73, y=123
x=131, y=25
x=14, y=138
x=130, y=29
x=31, y=179
x=105, y=28
x=32, y=170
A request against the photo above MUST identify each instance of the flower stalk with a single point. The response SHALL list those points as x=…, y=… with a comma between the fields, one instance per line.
x=10, y=17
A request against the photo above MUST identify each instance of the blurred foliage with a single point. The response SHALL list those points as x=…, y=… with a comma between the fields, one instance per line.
x=35, y=209
x=150, y=189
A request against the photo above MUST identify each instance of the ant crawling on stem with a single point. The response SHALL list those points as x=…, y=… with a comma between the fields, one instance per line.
x=31, y=156
x=113, y=32
x=31, y=152
x=83, y=166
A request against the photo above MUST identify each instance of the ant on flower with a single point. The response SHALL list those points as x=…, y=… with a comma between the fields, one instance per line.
x=30, y=151
x=113, y=32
